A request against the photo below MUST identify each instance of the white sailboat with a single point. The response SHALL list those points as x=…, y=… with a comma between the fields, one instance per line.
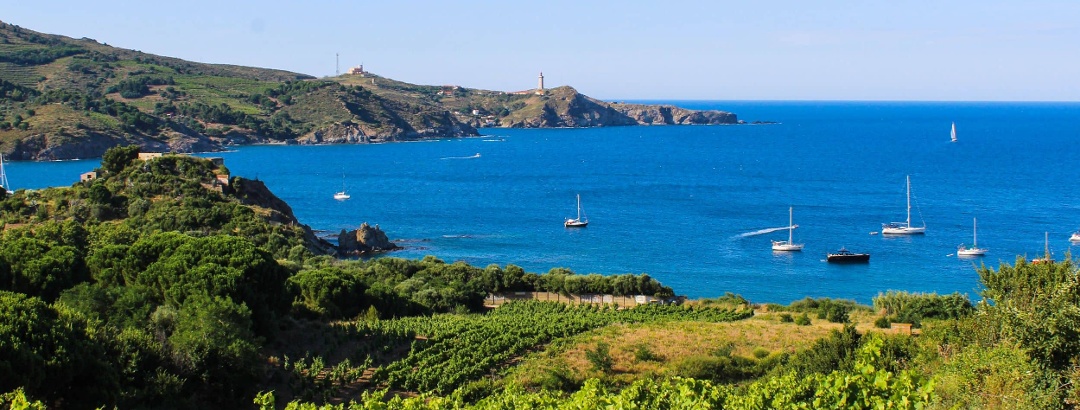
x=1046, y=258
x=3, y=177
x=904, y=228
x=341, y=196
x=974, y=250
x=788, y=245
x=581, y=221
x=953, y=133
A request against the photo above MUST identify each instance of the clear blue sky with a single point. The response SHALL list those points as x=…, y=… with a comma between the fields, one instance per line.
x=733, y=50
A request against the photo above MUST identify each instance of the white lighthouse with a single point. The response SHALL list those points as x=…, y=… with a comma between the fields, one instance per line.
x=540, y=84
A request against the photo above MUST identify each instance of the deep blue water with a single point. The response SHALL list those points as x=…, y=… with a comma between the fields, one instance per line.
x=675, y=201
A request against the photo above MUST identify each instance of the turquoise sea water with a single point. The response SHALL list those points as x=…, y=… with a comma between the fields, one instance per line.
x=680, y=202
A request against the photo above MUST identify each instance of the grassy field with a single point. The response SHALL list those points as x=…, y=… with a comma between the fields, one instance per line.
x=673, y=342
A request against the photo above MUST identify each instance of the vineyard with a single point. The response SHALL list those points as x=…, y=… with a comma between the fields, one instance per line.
x=450, y=350
x=867, y=384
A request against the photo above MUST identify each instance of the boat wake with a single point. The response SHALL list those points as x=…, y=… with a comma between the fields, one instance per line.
x=468, y=157
x=763, y=231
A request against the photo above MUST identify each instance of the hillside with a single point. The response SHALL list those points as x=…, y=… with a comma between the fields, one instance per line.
x=65, y=98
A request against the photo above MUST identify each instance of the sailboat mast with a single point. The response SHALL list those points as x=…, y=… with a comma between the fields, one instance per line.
x=909, y=201
x=1047, y=245
x=974, y=233
x=579, y=207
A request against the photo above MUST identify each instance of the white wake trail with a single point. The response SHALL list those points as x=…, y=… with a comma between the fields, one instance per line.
x=764, y=231
x=468, y=157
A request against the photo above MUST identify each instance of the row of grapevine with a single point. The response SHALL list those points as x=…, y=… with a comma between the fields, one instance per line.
x=866, y=385
x=463, y=348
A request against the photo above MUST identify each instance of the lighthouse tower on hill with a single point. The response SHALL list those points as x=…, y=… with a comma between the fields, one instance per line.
x=540, y=84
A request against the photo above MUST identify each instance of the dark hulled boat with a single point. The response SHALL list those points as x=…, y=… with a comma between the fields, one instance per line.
x=845, y=256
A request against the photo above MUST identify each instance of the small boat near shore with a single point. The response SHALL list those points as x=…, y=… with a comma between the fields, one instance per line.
x=1075, y=237
x=845, y=256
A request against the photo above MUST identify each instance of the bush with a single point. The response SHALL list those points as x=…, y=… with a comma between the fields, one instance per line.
x=558, y=378
x=643, y=354
x=882, y=322
x=802, y=320
x=786, y=318
x=836, y=313
x=600, y=357
x=761, y=353
x=837, y=351
x=913, y=307
x=728, y=369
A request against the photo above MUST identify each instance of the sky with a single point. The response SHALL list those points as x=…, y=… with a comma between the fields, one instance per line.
x=619, y=50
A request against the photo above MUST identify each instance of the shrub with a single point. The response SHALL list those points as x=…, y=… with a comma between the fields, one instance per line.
x=836, y=313
x=882, y=322
x=600, y=357
x=802, y=320
x=718, y=369
x=643, y=354
x=836, y=351
x=914, y=307
x=786, y=318
x=761, y=353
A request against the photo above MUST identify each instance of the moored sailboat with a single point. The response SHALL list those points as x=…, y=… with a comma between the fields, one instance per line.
x=974, y=250
x=1047, y=258
x=341, y=196
x=788, y=245
x=581, y=221
x=904, y=228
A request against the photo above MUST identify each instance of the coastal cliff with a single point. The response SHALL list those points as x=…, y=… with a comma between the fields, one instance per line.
x=254, y=193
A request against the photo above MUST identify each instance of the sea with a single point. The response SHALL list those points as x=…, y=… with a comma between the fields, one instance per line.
x=696, y=207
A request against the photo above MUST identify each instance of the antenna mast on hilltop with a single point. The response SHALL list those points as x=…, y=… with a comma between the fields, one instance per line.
x=337, y=64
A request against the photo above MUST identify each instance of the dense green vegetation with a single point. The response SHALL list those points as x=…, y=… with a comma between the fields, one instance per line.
x=155, y=285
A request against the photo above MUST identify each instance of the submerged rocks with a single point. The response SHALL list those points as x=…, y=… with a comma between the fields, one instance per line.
x=366, y=239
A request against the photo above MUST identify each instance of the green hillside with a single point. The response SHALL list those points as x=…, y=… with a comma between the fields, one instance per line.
x=114, y=97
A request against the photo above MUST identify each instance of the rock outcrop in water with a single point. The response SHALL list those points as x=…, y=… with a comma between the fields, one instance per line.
x=365, y=240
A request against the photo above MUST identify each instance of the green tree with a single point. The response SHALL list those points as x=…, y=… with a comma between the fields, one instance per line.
x=115, y=159
x=213, y=339
x=1037, y=305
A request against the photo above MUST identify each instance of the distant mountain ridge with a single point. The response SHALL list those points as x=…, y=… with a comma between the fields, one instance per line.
x=65, y=98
